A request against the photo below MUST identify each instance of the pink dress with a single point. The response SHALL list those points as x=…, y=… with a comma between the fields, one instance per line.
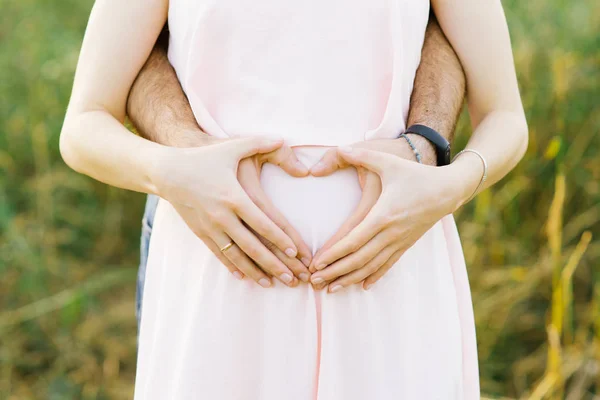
x=318, y=73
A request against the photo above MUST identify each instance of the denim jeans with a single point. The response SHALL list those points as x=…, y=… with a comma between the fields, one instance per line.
x=147, y=222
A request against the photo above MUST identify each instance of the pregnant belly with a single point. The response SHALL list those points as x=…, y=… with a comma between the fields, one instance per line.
x=315, y=207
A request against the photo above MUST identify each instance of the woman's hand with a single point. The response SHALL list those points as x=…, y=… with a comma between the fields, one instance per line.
x=202, y=185
x=249, y=177
x=413, y=198
x=369, y=183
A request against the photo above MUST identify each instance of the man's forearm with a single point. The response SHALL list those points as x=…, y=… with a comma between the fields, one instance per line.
x=157, y=106
x=438, y=91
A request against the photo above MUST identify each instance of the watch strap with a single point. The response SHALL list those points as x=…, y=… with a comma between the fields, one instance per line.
x=442, y=146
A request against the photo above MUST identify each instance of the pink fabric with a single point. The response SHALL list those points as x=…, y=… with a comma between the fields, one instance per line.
x=313, y=72
x=316, y=73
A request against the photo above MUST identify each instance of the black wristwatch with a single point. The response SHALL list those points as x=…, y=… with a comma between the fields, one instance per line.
x=442, y=146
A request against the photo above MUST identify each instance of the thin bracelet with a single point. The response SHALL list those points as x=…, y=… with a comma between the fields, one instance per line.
x=412, y=146
x=485, y=168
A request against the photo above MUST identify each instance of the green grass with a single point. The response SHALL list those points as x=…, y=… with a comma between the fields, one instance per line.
x=69, y=245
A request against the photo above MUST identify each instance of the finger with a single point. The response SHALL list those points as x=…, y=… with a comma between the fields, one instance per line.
x=286, y=159
x=362, y=273
x=376, y=161
x=368, y=199
x=264, y=203
x=299, y=264
x=328, y=164
x=238, y=258
x=304, y=253
x=353, y=241
x=383, y=269
x=355, y=260
x=256, y=219
x=216, y=250
x=265, y=259
x=249, y=146
x=193, y=221
x=293, y=264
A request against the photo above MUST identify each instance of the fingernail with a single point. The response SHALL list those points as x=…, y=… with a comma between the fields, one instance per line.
x=321, y=266
x=304, y=277
x=335, y=288
x=305, y=261
x=317, y=280
x=345, y=149
x=367, y=287
x=290, y=252
x=287, y=278
x=264, y=282
x=238, y=275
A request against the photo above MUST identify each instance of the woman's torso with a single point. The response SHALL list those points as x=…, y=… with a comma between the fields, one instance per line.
x=316, y=72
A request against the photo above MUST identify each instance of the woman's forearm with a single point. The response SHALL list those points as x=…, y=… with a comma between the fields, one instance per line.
x=479, y=34
x=93, y=139
x=96, y=144
x=501, y=137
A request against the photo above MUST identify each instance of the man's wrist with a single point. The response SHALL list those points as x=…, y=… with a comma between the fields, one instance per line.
x=425, y=148
x=189, y=138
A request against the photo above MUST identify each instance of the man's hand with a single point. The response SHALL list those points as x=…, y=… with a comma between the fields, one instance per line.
x=392, y=224
x=202, y=185
x=369, y=183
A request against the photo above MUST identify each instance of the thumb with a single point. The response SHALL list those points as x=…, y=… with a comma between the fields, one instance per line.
x=373, y=160
x=249, y=146
x=286, y=159
x=328, y=164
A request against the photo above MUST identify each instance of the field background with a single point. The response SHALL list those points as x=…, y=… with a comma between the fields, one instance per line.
x=69, y=245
